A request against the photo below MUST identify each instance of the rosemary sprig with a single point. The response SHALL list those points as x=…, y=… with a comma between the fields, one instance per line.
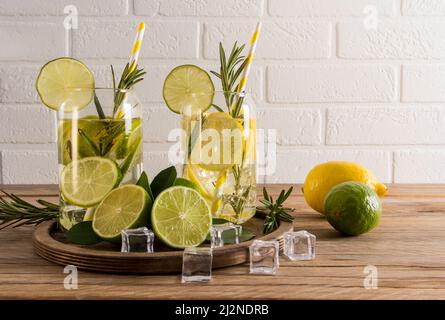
x=274, y=210
x=100, y=111
x=15, y=212
x=130, y=76
x=230, y=70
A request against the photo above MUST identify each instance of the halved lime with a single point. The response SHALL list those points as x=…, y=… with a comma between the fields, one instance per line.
x=186, y=183
x=86, y=182
x=126, y=207
x=65, y=84
x=188, y=88
x=181, y=217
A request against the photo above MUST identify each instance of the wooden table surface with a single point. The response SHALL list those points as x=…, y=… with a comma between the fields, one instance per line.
x=408, y=250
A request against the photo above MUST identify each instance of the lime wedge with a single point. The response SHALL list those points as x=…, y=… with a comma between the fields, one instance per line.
x=126, y=207
x=188, y=88
x=86, y=182
x=65, y=84
x=181, y=217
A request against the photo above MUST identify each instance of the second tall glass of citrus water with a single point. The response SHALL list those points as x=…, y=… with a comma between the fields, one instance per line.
x=220, y=154
x=99, y=146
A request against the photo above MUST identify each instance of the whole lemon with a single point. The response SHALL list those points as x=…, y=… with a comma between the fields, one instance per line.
x=323, y=177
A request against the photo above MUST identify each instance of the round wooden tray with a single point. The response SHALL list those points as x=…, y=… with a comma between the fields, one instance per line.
x=51, y=245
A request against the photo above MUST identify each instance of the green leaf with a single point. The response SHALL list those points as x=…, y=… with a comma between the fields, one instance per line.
x=164, y=179
x=229, y=236
x=145, y=183
x=83, y=233
x=219, y=221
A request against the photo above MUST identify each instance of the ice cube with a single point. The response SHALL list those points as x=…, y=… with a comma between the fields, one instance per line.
x=137, y=240
x=217, y=230
x=264, y=257
x=299, y=245
x=197, y=264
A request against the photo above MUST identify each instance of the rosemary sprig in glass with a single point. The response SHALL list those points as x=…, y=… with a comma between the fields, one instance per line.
x=15, y=212
x=274, y=210
x=230, y=70
x=130, y=76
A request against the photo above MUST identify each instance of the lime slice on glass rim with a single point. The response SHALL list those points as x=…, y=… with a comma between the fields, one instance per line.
x=65, y=84
x=181, y=217
x=188, y=87
x=86, y=182
x=126, y=207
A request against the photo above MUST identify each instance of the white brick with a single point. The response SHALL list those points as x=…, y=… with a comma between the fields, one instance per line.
x=423, y=7
x=150, y=90
x=322, y=8
x=55, y=7
x=331, y=83
x=279, y=40
x=29, y=166
x=158, y=122
x=155, y=162
x=293, y=126
x=113, y=39
x=386, y=125
x=419, y=166
x=17, y=84
x=293, y=165
x=26, y=124
x=31, y=41
x=403, y=39
x=203, y=8
x=423, y=83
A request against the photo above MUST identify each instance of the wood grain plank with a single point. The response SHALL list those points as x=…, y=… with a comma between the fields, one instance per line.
x=408, y=248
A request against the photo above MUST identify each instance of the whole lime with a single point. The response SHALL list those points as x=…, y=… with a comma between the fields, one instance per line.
x=352, y=208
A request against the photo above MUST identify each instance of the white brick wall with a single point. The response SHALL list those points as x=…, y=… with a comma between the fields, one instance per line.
x=333, y=87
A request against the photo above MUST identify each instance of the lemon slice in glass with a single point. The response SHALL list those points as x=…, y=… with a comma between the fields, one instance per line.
x=225, y=149
x=188, y=89
x=181, y=217
x=126, y=207
x=86, y=182
x=65, y=84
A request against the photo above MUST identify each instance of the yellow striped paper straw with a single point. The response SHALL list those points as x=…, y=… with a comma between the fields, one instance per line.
x=137, y=44
x=134, y=57
x=253, y=43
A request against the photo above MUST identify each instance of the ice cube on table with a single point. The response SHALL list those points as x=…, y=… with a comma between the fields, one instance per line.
x=197, y=264
x=264, y=257
x=137, y=240
x=299, y=245
x=217, y=230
